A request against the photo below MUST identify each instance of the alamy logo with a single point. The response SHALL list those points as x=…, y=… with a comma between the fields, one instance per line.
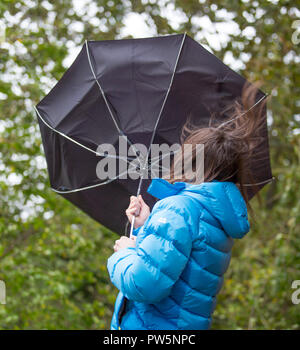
x=2, y=292
x=296, y=33
x=296, y=294
x=139, y=161
x=2, y=32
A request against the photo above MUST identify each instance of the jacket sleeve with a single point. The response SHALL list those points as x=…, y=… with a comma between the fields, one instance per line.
x=147, y=273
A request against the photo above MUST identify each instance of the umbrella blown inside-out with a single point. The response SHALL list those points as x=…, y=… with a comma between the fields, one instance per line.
x=141, y=91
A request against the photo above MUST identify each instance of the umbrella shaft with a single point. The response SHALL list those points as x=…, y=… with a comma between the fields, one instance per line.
x=131, y=227
x=137, y=194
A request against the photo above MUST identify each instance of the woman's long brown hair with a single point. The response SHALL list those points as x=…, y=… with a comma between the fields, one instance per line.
x=229, y=144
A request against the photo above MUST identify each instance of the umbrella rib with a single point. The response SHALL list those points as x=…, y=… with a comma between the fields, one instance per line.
x=76, y=142
x=168, y=91
x=156, y=124
x=91, y=186
x=261, y=183
x=105, y=99
x=255, y=104
x=101, y=90
x=162, y=107
x=157, y=159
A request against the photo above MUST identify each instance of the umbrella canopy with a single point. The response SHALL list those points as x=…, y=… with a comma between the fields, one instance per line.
x=143, y=89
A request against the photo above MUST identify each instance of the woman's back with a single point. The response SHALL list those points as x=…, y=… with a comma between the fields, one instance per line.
x=182, y=251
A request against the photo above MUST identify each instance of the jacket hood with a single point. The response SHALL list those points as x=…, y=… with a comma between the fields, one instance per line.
x=222, y=199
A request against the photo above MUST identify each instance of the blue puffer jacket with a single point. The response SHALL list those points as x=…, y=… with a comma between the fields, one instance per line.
x=172, y=277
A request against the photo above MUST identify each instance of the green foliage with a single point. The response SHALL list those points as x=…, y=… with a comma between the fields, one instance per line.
x=52, y=256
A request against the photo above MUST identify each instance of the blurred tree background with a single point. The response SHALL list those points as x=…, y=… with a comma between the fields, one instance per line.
x=52, y=256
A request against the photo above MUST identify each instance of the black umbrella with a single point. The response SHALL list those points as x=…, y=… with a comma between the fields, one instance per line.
x=140, y=91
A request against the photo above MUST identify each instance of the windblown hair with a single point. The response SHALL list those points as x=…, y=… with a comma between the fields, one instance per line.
x=228, y=144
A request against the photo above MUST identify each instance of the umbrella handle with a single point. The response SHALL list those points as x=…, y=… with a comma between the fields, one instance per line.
x=131, y=227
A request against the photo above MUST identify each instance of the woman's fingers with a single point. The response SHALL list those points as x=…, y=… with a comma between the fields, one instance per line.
x=138, y=208
x=134, y=202
x=133, y=199
x=134, y=207
x=116, y=245
x=141, y=200
x=133, y=211
x=124, y=242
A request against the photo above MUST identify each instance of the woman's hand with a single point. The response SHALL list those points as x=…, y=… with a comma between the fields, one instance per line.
x=139, y=209
x=124, y=242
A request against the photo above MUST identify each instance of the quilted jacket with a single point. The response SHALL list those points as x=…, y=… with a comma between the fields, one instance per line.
x=172, y=277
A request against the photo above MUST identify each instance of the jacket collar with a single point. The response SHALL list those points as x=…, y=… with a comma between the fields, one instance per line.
x=161, y=188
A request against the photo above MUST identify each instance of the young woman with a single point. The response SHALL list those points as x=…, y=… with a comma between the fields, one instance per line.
x=170, y=274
